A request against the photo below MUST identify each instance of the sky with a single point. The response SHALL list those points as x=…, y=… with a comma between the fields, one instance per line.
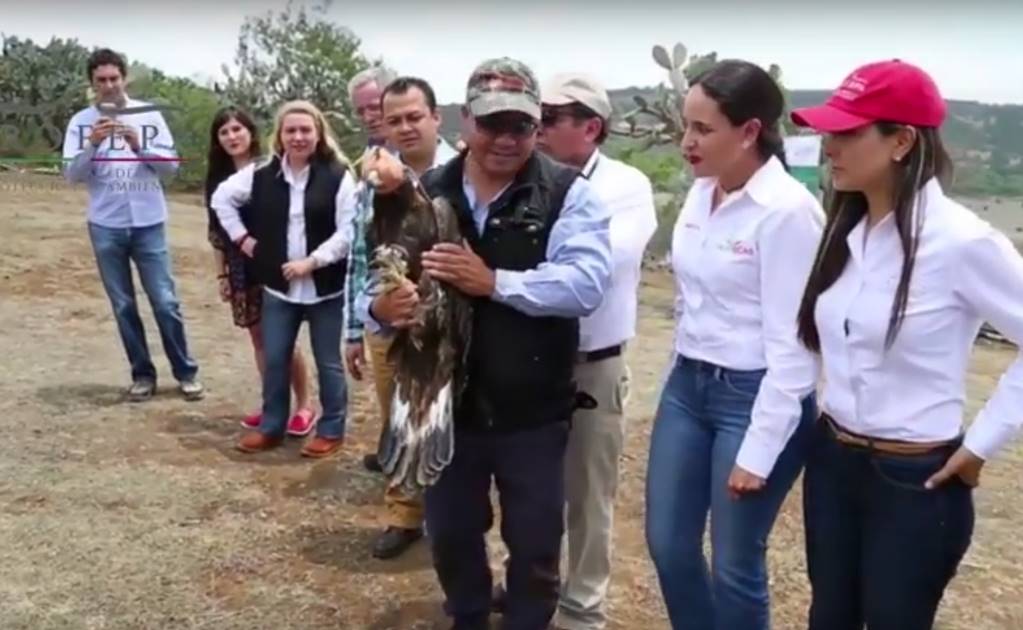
x=973, y=49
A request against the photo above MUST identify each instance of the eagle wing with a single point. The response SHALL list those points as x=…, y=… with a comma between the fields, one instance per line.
x=428, y=358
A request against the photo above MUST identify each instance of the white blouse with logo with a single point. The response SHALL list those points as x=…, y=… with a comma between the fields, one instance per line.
x=965, y=272
x=740, y=273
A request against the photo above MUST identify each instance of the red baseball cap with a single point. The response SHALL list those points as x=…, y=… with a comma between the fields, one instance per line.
x=892, y=91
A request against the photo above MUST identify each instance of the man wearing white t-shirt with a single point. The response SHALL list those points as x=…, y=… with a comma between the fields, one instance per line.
x=575, y=116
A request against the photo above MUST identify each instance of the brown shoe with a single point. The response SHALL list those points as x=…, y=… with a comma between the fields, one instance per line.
x=255, y=442
x=320, y=447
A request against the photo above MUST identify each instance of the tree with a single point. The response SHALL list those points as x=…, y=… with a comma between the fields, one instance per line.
x=41, y=87
x=297, y=54
x=189, y=115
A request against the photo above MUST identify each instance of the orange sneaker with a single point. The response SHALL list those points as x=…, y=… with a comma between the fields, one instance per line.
x=255, y=442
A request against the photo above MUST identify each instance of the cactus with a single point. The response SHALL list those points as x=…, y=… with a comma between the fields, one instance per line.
x=659, y=121
x=41, y=87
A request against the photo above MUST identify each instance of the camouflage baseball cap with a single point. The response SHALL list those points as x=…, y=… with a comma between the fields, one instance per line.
x=502, y=85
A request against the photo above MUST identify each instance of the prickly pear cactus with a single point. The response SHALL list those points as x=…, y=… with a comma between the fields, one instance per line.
x=40, y=88
x=658, y=121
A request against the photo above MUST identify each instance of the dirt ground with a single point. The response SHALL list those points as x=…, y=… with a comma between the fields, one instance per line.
x=120, y=516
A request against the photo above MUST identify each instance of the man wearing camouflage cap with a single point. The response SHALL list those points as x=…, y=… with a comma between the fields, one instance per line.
x=537, y=258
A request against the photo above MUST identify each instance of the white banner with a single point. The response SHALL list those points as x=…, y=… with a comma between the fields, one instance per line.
x=803, y=150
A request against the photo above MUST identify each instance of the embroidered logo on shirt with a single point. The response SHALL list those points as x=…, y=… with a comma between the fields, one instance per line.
x=739, y=248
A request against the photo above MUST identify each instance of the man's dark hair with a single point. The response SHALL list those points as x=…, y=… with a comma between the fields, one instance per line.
x=402, y=85
x=106, y=57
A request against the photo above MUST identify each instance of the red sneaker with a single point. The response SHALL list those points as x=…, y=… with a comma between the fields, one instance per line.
x=252, y=421
x=303, y=422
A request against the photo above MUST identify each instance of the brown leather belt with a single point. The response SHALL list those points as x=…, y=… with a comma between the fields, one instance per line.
x=891, y=447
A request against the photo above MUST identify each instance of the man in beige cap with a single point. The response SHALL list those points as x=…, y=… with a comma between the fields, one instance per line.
x=538, y=258
x=576, y=113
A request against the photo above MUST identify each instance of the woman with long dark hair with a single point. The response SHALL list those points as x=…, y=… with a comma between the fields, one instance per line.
x=291, y=216
x=234, y=144
x=741, y=251
x=901, y=284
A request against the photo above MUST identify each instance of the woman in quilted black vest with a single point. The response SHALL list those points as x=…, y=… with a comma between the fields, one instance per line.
x=296, y=234
x=234, y=144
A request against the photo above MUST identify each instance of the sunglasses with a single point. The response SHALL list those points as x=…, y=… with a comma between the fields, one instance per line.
x=501, y=124
x=550, y=115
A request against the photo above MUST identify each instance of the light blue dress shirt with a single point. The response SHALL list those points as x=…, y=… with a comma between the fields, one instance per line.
x=127, y=191
x=573, y=279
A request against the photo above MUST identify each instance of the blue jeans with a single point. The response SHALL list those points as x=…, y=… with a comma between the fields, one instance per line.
x=880, y=547
x=115, y=249
x=280, y=323
x=700, y=424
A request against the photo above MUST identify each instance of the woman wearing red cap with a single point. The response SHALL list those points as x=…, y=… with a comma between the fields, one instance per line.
x=902, y=281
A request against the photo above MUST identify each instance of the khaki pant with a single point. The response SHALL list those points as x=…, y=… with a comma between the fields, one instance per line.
x=402, y=511
x=591, y=482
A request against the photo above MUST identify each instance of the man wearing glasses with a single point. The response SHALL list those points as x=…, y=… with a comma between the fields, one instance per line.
x=576, y=112
x=537, y=258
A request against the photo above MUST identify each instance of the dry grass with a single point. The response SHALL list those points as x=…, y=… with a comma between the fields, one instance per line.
x=115, y=516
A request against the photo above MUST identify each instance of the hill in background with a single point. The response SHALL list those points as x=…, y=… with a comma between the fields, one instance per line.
x=985, y=141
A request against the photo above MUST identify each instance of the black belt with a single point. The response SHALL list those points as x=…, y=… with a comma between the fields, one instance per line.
x=599, y=355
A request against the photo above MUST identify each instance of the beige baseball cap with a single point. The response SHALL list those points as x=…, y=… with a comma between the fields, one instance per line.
x=567, y=88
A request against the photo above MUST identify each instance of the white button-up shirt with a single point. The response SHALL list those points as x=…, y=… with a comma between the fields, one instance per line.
x=740, y=273
x=629, y=197
x=236, y=191
x=965, y=272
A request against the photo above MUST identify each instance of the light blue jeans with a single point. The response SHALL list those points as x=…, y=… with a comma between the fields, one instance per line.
x=116, y=249
x=280, y=323
x=701, y=421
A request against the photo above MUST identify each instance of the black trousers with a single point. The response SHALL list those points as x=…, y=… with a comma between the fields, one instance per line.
x=880, y=547
x=528, y=468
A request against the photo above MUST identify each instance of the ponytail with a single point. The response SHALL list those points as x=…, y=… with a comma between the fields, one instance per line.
x=771, y=144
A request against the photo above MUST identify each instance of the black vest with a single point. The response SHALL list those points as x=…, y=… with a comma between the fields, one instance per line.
x=520, y=368
x=268, y=223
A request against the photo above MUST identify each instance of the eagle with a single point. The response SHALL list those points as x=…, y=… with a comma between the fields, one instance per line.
x=429, y=355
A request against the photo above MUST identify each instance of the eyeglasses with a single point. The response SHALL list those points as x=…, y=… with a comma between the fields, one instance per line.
x=501, y=124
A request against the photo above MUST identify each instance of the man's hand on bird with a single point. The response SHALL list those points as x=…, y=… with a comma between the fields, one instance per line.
x=298, y=268
x=460, y=267
x=397, y=307
x=383, y=170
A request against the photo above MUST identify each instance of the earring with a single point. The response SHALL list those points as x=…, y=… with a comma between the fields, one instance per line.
x=898, y=158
